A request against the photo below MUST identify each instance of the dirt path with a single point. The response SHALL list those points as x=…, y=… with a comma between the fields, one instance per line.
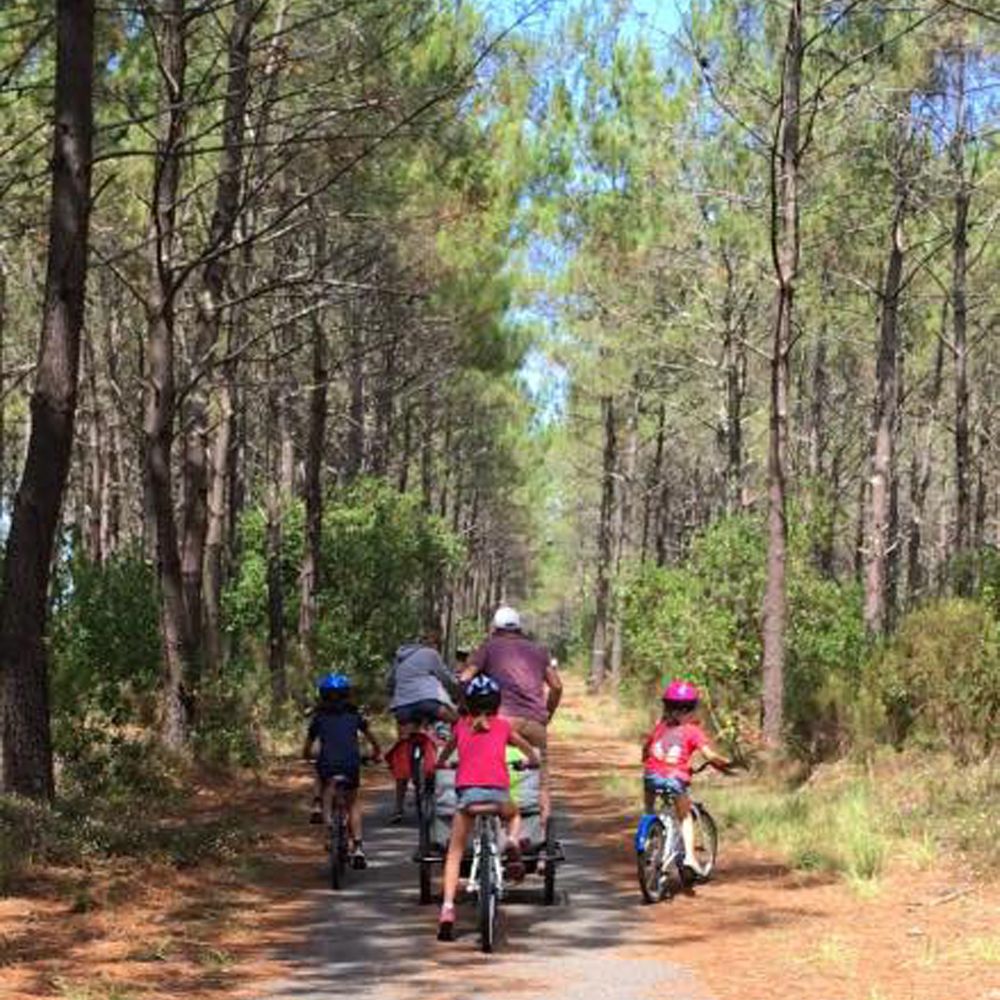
x=757, y=925
x=264, y=926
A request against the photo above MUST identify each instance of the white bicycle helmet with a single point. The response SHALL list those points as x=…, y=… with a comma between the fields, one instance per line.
x=506, y=619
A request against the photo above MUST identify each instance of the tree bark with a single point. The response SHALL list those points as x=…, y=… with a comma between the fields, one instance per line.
x=920, y=479
x=885, y=415
x=785, y=252
x=313, y=486
x=959, y=311
x=622, y=525
x=158, y=421
x=653, y=482
x=25, y=738
x=602, y=587
x=214, y=276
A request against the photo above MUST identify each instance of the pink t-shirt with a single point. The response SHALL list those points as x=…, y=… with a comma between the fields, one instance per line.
x=669, y=749
x=482, y=756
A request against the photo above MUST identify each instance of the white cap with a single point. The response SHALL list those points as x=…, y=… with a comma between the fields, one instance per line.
x=506, y=619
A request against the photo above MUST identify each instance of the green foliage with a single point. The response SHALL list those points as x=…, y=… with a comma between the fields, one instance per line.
x=383, y=558
x=105, y=643
x=702, y=620
x=939, y=677
x=839, y=828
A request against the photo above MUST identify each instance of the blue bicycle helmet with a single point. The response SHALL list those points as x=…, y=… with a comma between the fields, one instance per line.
x=482, y=694
x=333, y=682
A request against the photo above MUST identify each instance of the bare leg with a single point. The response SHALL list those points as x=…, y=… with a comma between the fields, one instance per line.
x=460, y=826
x=687, y=831
x=354, y=815
x=328, y=793
x=513, y=819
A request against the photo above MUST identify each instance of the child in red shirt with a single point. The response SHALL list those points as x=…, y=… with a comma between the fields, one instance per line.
x=666, y=758
x=482, y=778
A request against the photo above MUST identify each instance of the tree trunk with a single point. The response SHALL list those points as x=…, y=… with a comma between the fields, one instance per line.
x=959, y=309
x=876, y=608
x=313, y=486
x=215, y=531
x=25, y=739
x=622, y=525
x=275, y=543
x=209, y=299
x=158, y=421
x=785, y=252
x=653, y=482
x=734, y=364
x=356, y=411
x=920, y=479
x=602, y=587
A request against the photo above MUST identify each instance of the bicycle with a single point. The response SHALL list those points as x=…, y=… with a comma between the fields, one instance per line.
x=660, y=848
x=338, y=833
x=423, y=793
x=486, y=875
x=487, y=869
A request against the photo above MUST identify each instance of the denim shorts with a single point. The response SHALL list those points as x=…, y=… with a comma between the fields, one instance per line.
x=481, y=795
x=671, y=786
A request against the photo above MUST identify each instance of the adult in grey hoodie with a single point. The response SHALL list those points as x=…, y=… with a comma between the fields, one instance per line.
x=420, y=687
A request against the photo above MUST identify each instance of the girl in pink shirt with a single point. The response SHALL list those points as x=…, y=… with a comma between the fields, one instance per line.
x=666, y=758
x=482, y=779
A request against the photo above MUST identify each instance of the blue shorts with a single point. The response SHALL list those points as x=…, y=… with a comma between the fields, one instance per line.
x=349, y=777
x=418, y=712
x=669, y=786
x=481, y=795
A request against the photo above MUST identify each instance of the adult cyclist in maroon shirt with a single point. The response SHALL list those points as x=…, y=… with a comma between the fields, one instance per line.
x=530, y=686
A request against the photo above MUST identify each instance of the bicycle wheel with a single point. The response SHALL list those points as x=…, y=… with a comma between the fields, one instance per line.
x=419, y=802
x=426, y=894
x=649, y=861
x=487, y=894
x=549, y=891
x=706, y=840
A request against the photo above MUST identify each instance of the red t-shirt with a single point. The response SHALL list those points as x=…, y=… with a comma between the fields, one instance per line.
x=669, y=749
x=519, y=666
x=482, y=756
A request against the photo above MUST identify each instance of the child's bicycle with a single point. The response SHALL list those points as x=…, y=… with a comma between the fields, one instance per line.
x=338, y=835
x=486, y=872
x=660, y=849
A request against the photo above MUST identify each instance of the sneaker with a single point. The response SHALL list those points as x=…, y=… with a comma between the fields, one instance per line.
x=694, y=866
x=395, y=819
x=316, y=813
x=446, y=924
x=515, y=866
x=358, y=860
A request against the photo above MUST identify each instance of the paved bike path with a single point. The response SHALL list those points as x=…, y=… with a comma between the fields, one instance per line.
x=373, y=941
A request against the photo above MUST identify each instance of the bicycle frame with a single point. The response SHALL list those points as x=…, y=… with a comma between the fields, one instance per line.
x=490, y=825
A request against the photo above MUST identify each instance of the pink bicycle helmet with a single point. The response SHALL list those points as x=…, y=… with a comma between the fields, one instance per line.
x=681, y=693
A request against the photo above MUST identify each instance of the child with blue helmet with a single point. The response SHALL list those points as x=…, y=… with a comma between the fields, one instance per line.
x=334, y=726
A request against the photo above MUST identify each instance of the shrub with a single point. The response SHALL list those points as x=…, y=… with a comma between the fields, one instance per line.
x=383, y=559
x=105, y=640
x=939, y=677
x=702, y=620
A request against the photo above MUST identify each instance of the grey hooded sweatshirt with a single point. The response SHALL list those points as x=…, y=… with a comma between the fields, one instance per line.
x=419, y=674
